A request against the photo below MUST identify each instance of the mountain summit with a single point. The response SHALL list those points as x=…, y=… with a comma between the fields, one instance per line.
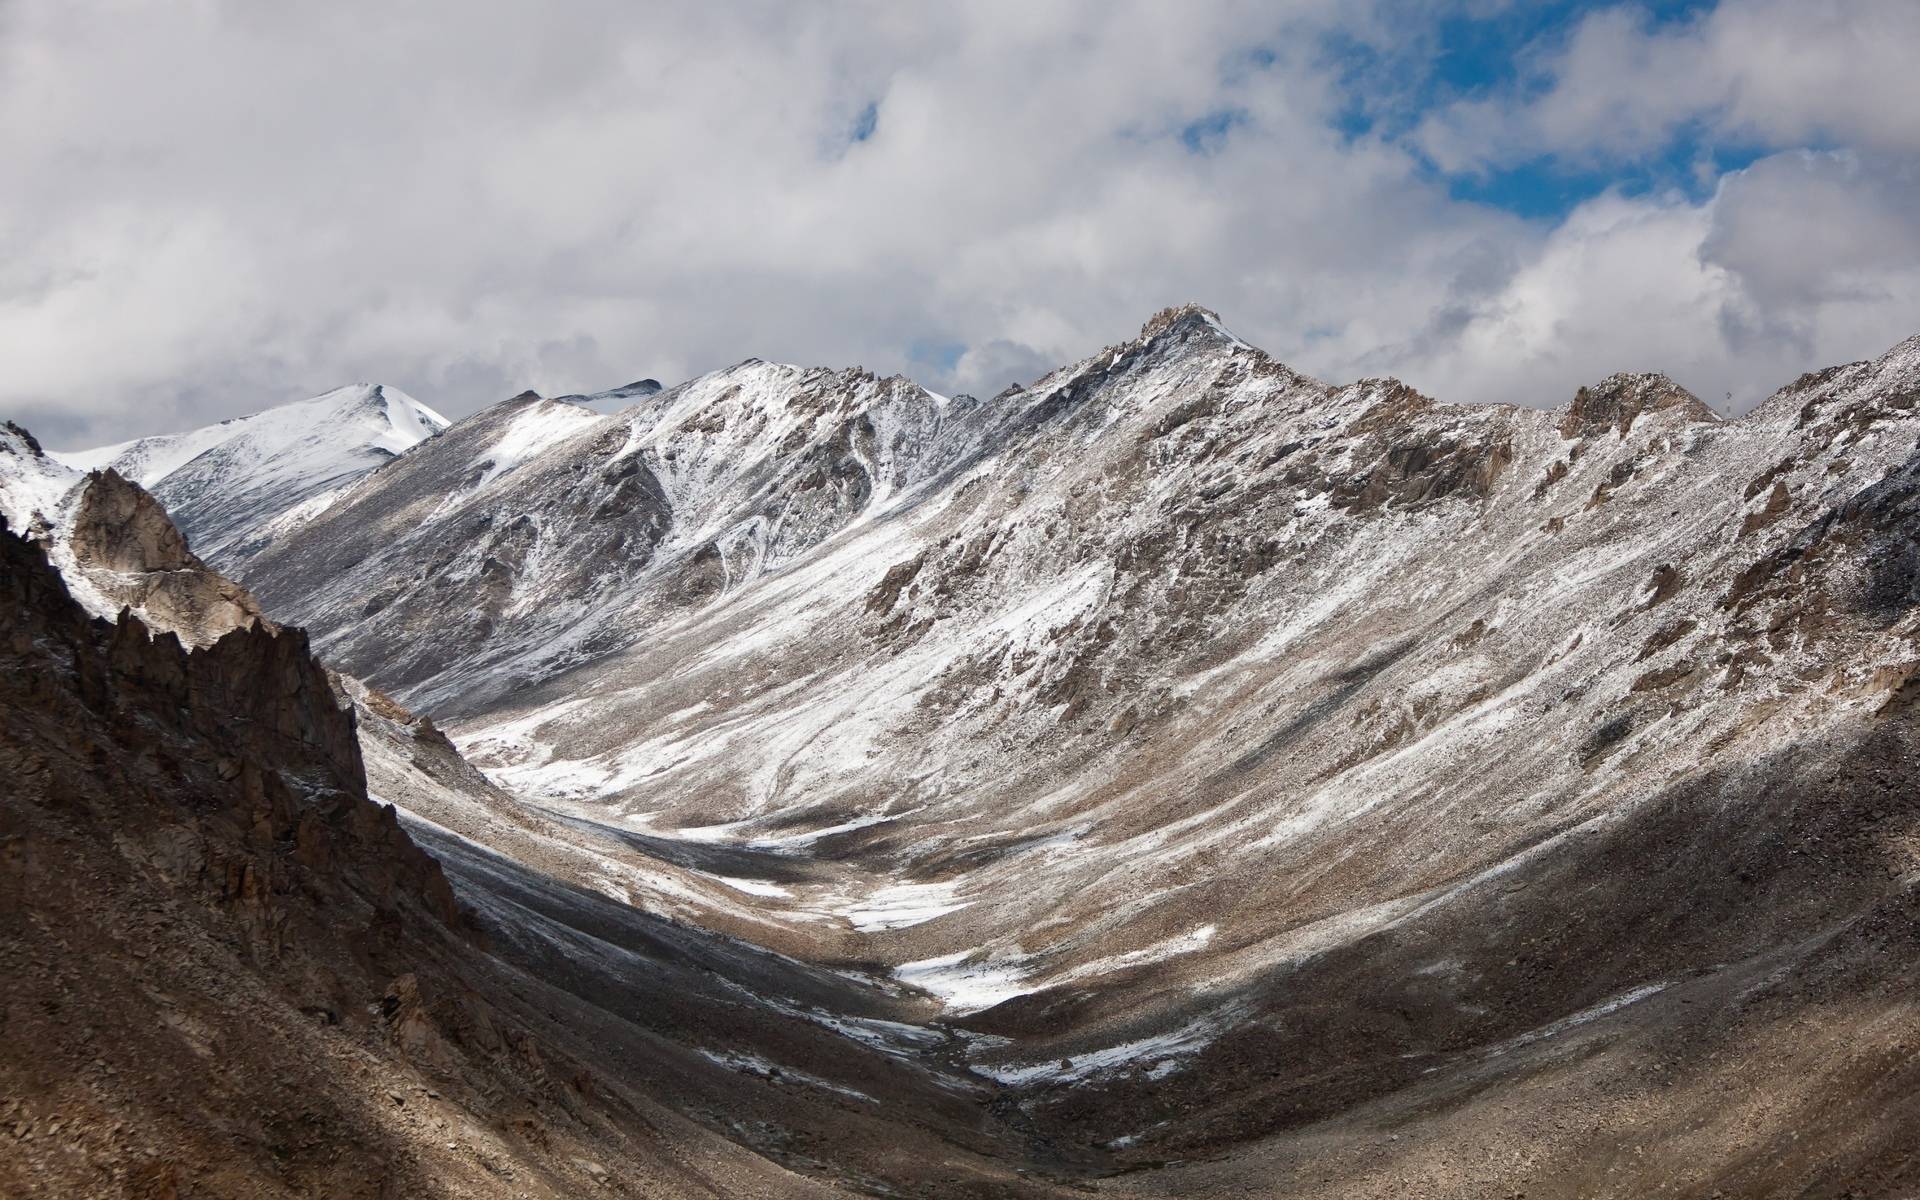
x=225, y=483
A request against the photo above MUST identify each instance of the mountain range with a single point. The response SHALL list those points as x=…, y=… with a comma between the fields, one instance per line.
x=1178, y=776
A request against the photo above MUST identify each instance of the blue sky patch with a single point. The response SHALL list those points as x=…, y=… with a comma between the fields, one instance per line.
x=938, y=355
x=1208, y=134
x=1479, y=54
x=1387, y=95
x=1545, y=188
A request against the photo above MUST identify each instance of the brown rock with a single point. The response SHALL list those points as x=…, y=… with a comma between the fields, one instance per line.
x=120, y=527
x=1619, y=400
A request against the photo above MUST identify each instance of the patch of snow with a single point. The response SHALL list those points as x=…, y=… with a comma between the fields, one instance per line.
x=964, y=987
x=1164, y=1052
x=752, y=887
x=754, y=1064
x=901, y=905
x=1186, y=943
x=542, y=425
x=889, y=1037
x=31, y=484
x=1584, y=1016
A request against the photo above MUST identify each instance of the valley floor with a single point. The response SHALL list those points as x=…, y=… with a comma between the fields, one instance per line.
x=1791, y=1071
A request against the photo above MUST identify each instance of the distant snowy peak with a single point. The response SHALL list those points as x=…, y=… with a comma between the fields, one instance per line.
x=226, y=484
x=370, y=414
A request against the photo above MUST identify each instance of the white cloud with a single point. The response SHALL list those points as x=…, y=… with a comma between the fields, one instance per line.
x=1771, y=72
x=1802, y=259
x=215, y=207
x=1812, y=228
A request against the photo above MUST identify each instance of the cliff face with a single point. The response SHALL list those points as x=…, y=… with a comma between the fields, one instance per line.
x=190, y=863
x=250, y=725
x=119, y=527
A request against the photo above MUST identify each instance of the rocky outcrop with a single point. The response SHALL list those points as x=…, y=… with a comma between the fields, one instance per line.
x=119, y=527
x=31, y=443
x=1617, y=401
x=1181, y=317
x=190, y=865
x=255, y=705
x=117, y=546
x=125, y=546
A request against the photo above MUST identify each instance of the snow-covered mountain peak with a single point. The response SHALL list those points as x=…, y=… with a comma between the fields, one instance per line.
x=357, y=415
x=1186, y=319
x=408, y=421
x=229, y=482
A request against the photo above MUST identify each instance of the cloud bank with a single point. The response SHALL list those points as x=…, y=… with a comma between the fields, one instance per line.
x=218, y=206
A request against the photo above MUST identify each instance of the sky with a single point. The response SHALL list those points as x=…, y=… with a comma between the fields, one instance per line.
x=208, y=207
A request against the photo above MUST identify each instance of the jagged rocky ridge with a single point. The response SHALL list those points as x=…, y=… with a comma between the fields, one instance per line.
x=1343, y=787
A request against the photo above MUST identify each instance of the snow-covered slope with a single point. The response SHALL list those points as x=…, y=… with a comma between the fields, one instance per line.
x=230, y=486
x=538, y=534
x=32, y=482
x=1230, y=753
